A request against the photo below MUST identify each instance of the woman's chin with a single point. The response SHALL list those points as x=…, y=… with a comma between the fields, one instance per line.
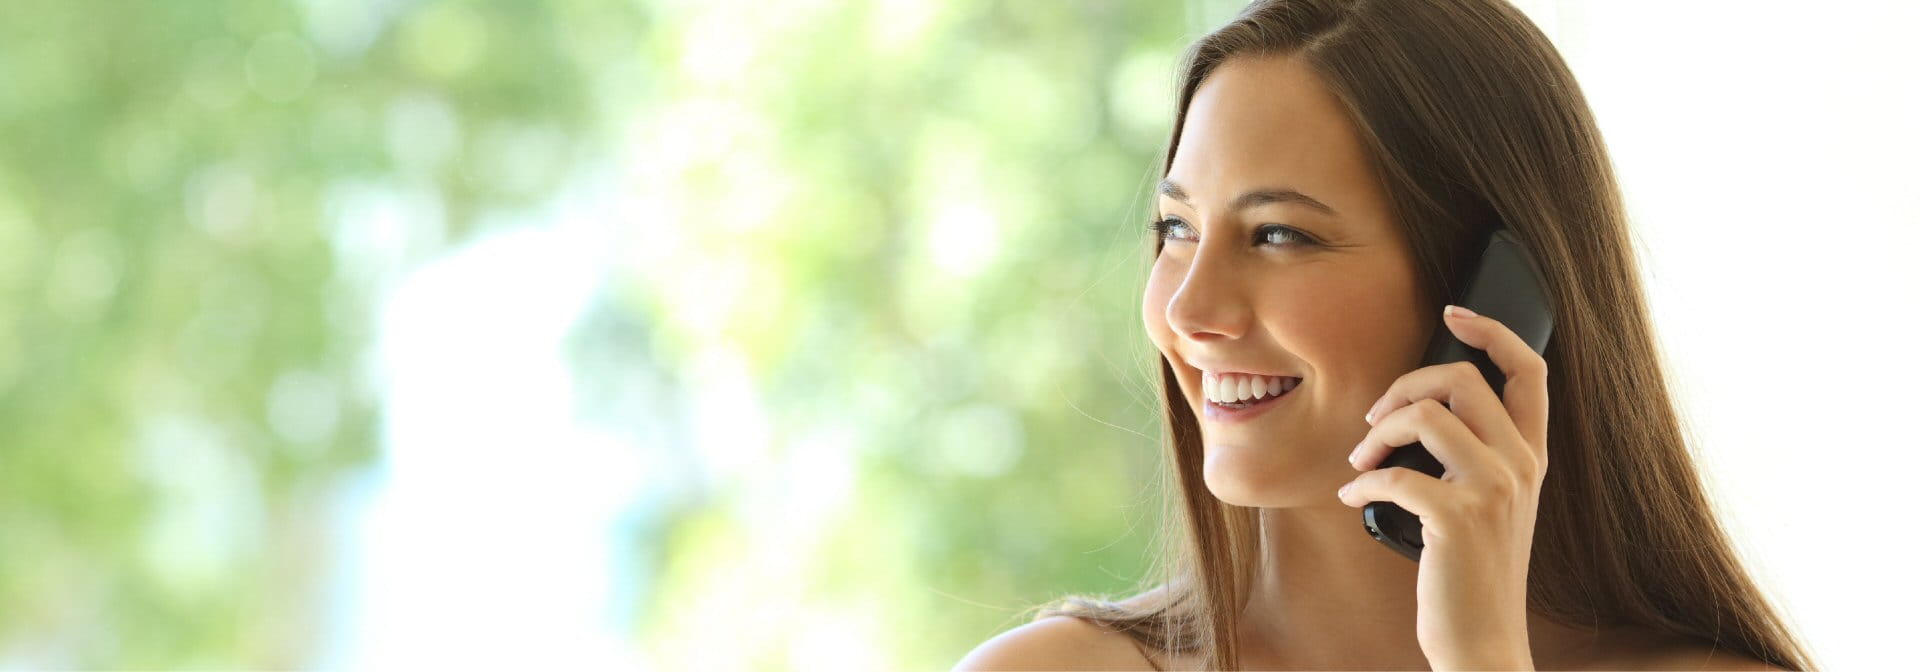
x=1242, y=477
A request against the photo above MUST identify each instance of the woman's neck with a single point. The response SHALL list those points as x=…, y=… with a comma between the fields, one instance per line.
x=1325, y=595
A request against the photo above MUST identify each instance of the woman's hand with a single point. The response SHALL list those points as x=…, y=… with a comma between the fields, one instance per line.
x=1478, y=516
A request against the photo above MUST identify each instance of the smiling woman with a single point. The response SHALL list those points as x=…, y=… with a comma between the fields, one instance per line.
x=1333, y=169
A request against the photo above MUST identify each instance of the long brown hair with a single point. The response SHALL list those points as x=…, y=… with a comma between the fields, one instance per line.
x=1472, y=121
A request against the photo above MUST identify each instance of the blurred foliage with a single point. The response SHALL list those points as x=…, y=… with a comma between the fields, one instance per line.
x=912, y=229
x=942, y=263
x=182, y=322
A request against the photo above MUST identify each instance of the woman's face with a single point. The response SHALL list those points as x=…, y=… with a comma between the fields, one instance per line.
x=1334, y=305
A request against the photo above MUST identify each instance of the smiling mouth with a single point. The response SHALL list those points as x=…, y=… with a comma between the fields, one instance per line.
x=1235, y=398
x=1237, y=390
x=1250, y=403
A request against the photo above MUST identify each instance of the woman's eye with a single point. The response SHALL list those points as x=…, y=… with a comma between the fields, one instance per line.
x=1164, y=228
x=1275, y=233
x=1271, y=234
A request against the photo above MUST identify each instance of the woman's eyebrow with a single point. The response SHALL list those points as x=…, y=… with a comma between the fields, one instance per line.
x=1252, y=198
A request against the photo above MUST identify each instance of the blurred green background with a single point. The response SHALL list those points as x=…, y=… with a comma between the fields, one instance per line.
x=685, y=334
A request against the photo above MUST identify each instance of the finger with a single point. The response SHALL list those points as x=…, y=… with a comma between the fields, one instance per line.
x=1462, y=388
x=1526, y=371
x=1440, y=431
x=1416, y=492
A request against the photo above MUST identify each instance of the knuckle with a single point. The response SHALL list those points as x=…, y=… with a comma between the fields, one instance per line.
x=1392, y=476
x=1463, y=371
x=1429, y=409
x=1526, y=467
x=1497, y=492
x=1526, y=472
x=1500, y=481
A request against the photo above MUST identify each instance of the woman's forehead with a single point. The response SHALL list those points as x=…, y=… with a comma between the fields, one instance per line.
x=1258, y=123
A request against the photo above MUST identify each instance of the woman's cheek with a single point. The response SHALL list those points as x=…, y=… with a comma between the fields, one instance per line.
x=1375, y=338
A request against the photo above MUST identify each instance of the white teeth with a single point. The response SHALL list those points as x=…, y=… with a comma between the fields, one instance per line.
x=1226, y=389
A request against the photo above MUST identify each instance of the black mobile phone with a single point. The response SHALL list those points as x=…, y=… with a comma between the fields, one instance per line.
x=1505, y=286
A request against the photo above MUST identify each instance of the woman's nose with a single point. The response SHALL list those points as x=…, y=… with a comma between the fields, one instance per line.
x=1209, y=303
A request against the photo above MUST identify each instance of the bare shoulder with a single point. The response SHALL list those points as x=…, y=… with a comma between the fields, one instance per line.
x=1638, y=648
x=1056, y=643
x=1694, y=655
x=1706, y=658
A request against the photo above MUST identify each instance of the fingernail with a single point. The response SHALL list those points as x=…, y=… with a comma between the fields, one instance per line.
x=1369, y=416
x=1460, y=311
x=1343, y=490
